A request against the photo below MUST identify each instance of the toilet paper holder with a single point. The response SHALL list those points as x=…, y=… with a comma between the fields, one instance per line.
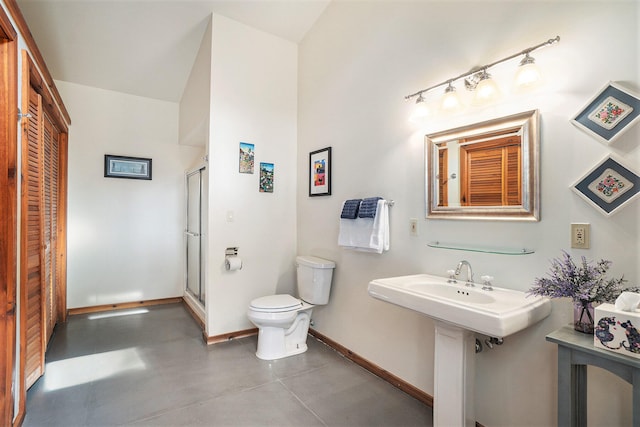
x=232, y=261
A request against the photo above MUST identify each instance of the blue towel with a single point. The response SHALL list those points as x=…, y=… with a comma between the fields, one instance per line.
x=350, y=209
x=368, y=207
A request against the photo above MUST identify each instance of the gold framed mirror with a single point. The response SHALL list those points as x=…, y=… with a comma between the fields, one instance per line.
x=487, y=170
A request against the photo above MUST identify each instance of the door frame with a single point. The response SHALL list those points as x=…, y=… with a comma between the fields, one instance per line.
x=8, y=214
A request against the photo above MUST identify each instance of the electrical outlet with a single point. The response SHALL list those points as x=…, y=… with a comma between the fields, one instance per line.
x=413, y=226
x=580, y=234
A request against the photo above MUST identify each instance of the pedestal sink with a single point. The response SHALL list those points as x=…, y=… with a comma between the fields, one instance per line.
x=459, y=311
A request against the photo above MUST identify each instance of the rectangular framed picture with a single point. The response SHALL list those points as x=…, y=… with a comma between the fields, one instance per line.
x=126, y=167
x=266, y=177
x=247, y=154
x=320, y=172
x=609, y=186
x=609, y=114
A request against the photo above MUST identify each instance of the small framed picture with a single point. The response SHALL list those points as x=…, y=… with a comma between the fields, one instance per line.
x=126, y=167
x=247, y=154
x=609, y=114
x=266, y=177
x=609, y=186
x=320, y=172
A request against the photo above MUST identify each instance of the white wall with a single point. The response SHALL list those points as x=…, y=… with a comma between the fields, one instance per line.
x=124, y=236
x=195, y=104
x=352, y=80
x=253, y=99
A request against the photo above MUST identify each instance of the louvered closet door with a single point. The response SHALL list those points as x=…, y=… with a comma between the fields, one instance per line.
x=490, y=173
x=513, y=183
x=35, y=346
x=485, y=184
x=50, y=180
x=42, y=179
x=443, y=177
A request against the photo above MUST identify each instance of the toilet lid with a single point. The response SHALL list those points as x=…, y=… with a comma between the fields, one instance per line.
x=276, y=303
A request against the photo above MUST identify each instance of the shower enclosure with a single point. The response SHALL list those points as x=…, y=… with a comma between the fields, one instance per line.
x=194, y=274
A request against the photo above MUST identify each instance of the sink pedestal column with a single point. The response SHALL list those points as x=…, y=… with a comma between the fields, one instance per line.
x=454, y=376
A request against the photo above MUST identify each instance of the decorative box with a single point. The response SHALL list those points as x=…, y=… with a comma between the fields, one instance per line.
x=617, y=330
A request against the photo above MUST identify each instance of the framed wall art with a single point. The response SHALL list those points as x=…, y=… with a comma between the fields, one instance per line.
x=320, y=172
x=127, y=167
x=266, y=177
x=247, y=155
x=609, y=186
x=609, y=114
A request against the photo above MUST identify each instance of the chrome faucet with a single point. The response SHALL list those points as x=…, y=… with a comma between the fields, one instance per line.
x=469, y=281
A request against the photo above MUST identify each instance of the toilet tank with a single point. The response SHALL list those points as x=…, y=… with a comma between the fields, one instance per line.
x=314, y=279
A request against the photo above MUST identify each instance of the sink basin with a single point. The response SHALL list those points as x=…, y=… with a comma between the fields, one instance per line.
x=463, y=295
x=497, y=313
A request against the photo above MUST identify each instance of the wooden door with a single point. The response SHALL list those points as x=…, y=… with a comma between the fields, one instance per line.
x=443, y=177
x=35, y=342
x=51, y=139
x=490, y=173
x=42, y=177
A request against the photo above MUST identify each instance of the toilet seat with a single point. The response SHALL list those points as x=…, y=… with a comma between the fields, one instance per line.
x=276, y=304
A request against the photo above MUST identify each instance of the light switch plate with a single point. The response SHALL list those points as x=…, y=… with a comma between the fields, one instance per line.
x=413, y=226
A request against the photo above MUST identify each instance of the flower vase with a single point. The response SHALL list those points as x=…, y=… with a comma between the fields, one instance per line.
x=583, y=316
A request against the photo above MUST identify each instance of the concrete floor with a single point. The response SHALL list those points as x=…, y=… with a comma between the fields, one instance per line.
x=151, y=367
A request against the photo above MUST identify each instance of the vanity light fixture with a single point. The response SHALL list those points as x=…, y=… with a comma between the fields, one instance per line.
x=479, y=80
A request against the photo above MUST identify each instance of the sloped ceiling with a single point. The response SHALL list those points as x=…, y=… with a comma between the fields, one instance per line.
x=147, y=47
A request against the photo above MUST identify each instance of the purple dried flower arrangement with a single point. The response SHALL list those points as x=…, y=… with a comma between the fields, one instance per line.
x=585, y=283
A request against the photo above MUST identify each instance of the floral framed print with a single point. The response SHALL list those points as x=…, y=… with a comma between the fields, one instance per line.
x=320, y=172
x=609, y=186
x=609, y=114
x=127, y=167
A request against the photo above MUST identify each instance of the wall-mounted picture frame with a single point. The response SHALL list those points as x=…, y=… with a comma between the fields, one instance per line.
x=609, y=186
x=247, y=155
x=320, y=172
x=266, y=177
x=127, y=167
x=610, y=113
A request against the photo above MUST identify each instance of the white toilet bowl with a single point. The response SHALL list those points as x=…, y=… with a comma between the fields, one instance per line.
x=282, y=320
x=283, y=324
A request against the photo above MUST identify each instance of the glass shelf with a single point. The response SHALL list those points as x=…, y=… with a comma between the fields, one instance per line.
x=486, y=250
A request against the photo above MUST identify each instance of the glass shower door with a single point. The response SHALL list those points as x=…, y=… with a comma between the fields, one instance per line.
x=193, y=234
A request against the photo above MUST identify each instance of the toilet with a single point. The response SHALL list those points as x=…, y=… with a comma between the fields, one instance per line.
x=283, y=320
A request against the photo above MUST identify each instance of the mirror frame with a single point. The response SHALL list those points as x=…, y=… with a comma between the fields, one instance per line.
x=528, y=123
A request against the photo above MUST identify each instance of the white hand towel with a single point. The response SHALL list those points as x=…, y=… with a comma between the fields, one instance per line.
x=355, y=232
x=366, y=234
x=380, y=233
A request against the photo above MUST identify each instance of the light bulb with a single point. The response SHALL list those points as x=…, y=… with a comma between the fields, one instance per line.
x=450, y=100
x=487, y=90
x=528, y=74
x=420, y=110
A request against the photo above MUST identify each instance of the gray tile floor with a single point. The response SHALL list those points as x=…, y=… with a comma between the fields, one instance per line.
x=154, y=369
